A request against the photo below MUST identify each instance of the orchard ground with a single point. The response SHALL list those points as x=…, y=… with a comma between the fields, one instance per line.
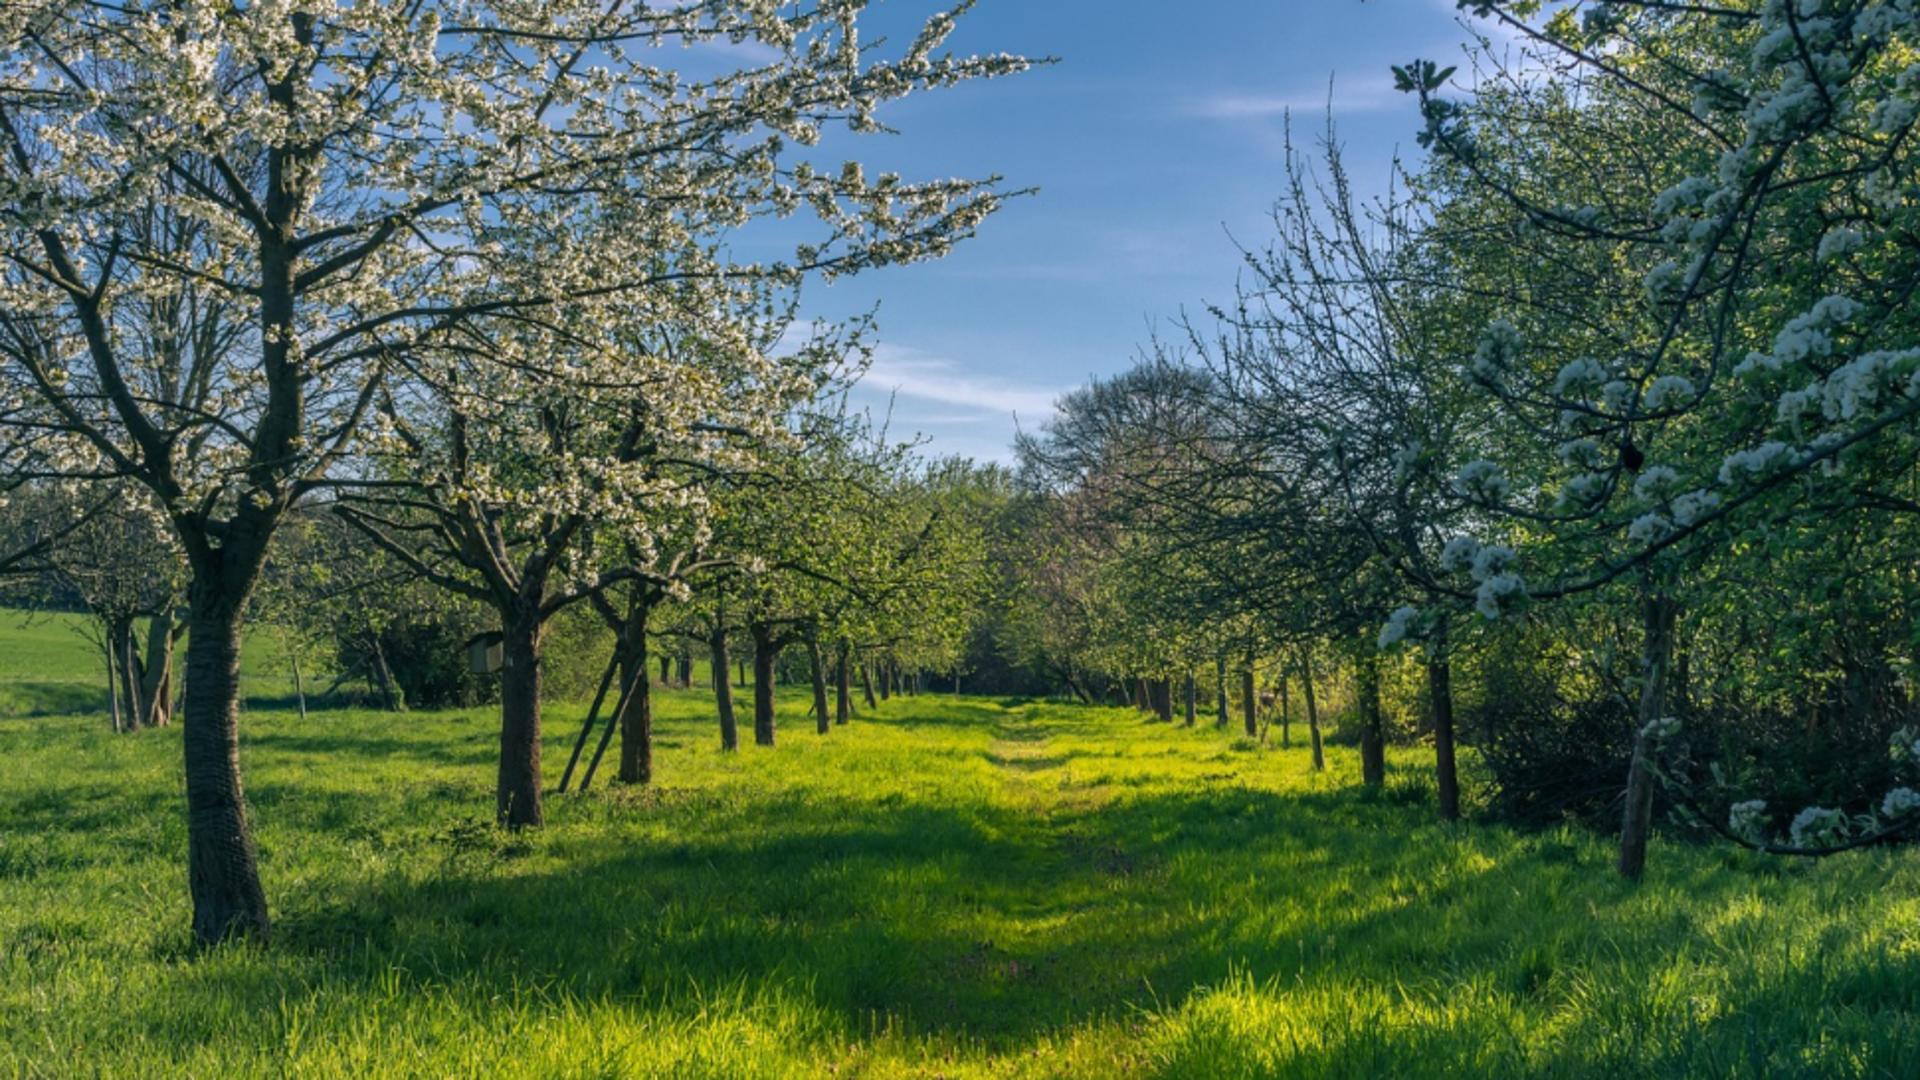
x=946, y=887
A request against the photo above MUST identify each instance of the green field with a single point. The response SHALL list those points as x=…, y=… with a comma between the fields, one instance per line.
x=50, y=665
x=949, y=887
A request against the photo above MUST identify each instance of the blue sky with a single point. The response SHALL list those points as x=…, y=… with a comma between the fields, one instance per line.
x=1156, y=142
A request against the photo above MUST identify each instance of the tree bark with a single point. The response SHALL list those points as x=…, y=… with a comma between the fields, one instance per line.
x=1220, y=684
x=517, y=792
x=1192, y=699
x=764, y=655
x=684, y=666
x=866, y=685
x=885, y=674
x=1286, y=712
x=1373, y=745
x=113, y=684
x=1446, y=772
x=822, y=722
x=1313, y=714
x=1656, y=658
x=120, y=640
x=1163, y=700
x=636, y=721
x=299, y=687
x=722, y=692
x=222, y=865
x=1249, y=712
x=390, y=695
x=842, y=692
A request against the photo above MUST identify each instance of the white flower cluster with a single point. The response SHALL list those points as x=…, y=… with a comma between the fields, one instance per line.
x=1748, y=820
x=1400, y=626
x=1818, y=826
x=1482, y=480
x=1900, y=802
x=1459, y=554
x=1495, y=354
x=1500, y=588
x=1580, y=378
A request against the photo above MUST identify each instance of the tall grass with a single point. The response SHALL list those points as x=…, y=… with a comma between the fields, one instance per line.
x=946, y=887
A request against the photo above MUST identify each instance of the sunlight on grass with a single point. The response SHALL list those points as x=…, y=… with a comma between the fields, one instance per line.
x=943, y=888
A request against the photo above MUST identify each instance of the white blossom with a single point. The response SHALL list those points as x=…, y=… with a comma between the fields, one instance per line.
x=1817, y=826
x=1482, y=480
x=1459, y=554
x=1668, y=391
x=1900, y=802
x=1748, y=819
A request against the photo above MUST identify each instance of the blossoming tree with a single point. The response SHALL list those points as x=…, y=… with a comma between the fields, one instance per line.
x=230, y=228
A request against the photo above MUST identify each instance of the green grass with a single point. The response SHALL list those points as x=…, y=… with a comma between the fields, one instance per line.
x=945, y=888
x=49, y=666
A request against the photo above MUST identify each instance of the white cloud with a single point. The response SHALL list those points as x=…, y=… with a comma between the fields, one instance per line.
x=913, y=374
x=1370, y=96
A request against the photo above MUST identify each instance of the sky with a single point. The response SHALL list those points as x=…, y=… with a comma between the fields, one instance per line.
x=1156, y=142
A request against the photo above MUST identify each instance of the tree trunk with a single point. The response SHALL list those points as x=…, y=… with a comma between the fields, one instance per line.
x=1220, y=684
x=666, y=670
x=1286, y=712
x=1192, y=699
x=723, y=693
x=822, y=723
x=842, y=691
x=299, y=687
x=740, y=671
x=1656, y=657
x=633, y=679
x=1440, y=690
x=866, y=685
x=222, y=866
x=1373, y=745
x=113, y=684
x=885, y=674
x=1163, y=700
x=1249, y=713
x=390, y=695
x=517, y=792
x=763, y=660
x=120, y=639
x=1313, y=715
x=636, y=720
x=684, y=678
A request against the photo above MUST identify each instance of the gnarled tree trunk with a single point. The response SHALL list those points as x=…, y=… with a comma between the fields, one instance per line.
x=517, y=791
x=222, y=865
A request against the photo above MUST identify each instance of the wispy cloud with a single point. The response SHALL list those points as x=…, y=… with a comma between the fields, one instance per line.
x=910, y=373
x=1369, y=96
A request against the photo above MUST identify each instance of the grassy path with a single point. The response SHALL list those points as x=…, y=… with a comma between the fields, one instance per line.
x=957, y=888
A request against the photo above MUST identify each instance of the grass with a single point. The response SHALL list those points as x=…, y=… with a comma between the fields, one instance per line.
x=947, y=887
x=50, y=665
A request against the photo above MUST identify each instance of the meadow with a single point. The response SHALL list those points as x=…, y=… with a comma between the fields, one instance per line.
x=946, y=887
